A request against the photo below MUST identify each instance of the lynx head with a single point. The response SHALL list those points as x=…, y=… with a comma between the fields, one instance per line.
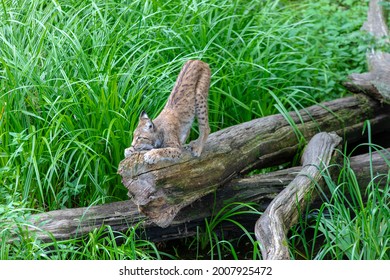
x=146, y=136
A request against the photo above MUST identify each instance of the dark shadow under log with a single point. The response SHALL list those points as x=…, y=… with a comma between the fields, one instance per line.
x=283, y=212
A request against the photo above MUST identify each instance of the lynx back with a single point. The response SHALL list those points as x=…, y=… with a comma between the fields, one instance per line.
x=164, y=136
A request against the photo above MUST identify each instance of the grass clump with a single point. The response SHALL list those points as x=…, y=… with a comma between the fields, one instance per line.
x=17, y=243
x=352, y=224
x=355, y=221
x=212, y=242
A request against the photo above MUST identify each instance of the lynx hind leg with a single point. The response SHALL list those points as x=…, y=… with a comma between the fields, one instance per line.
x=201, y=111
x=155, y=155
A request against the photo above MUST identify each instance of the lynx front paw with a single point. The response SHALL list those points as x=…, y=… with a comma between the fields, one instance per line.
x=150, y=157
x=129, y=152
x=195, y=149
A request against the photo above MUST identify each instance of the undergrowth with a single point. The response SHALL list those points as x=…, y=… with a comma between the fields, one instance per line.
x=75, y=75
x=353, y=221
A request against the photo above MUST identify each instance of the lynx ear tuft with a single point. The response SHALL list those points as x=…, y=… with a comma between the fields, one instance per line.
x=148, y=124
x=144, y=115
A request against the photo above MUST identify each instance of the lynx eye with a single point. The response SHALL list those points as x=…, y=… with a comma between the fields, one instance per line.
x=142, y=138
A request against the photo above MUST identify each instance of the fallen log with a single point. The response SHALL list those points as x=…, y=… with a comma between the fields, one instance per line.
x=161, y=190
x=283, y=212
x=120, y=216
x=376, y=82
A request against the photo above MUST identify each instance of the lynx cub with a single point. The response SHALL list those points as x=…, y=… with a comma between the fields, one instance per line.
x=164, y=136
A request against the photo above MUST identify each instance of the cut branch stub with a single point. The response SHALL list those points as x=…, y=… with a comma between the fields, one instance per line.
x=283, y=212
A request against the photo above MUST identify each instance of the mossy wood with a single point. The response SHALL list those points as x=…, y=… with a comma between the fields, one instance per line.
x=120, y=216
x=162, y=189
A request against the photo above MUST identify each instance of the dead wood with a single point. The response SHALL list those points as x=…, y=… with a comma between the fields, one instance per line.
x=376, y=82
x=283, y=212
x=162, y=189
x=120, y=216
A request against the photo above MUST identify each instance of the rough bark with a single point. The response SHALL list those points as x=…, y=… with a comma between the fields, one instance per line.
x=162, y=189
x=260, y=188
x=376, y=82
x=283, y=212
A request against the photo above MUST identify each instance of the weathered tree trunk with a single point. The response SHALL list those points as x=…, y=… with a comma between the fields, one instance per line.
x=376, y=82
x=162, y=189
x=283, y=212
x=260, y=188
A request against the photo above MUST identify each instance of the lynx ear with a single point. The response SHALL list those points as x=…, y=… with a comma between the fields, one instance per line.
x=144, y=115
x=148, y=124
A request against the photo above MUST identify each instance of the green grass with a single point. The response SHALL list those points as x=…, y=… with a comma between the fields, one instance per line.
x=100, y=244
x=353, y=223
x=211, y=243
x=74, y=76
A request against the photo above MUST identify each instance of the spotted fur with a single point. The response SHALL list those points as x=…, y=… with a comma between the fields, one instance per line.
x=164, y=136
